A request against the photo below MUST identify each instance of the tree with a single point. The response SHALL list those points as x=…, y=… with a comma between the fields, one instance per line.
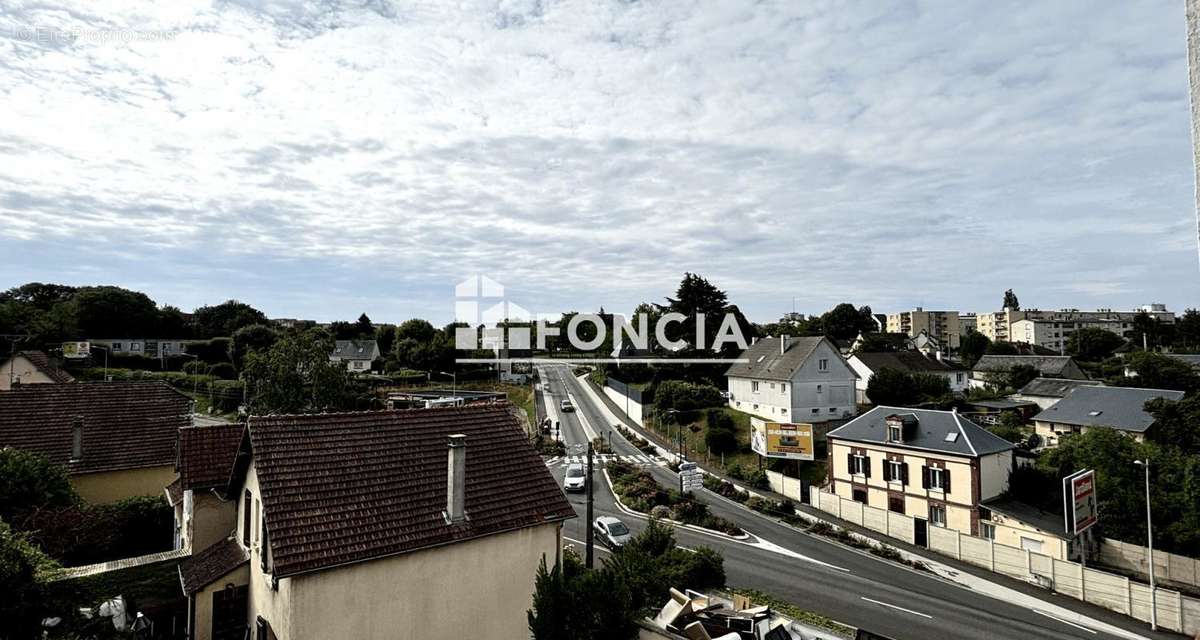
x=296, y=375
x=363, y=327
x=1002, y=348
x=897, y=388
x=29, y=482
x=844, y=322
x=39, y=295
x=1018, y=376
x=1187, y=332
x=1156, y=371
x=1010, y=301
x=114, y=312
x=1093, y=344
x=254, y=337
x=172, y=324
x=1176, y=424
x=550, y=617
x=971, y=347
x=416, y=329
x=24, y=582
x=695, y=296
x=1151, y=332
x=223, y=319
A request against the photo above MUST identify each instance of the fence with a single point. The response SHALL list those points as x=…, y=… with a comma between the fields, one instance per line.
x=630, y=400
x=1118, y=593
x=1168, y=567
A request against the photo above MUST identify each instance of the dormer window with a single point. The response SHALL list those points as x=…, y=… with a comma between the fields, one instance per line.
x=895, y=432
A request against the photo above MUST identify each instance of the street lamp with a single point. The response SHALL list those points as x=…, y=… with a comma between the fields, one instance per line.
x=453, y=384
x=105, y=349
x=1150, y=546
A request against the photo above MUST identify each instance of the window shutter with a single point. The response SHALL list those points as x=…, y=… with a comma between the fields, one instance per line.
x=904, y=473
x=946, y=480
x=264, y=550
x=867, y=467
x=887, y=471
x=924, y=477
x=850, y=462
x=246, y=520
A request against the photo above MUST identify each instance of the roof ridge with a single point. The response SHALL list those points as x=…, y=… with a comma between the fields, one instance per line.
x=962, y=430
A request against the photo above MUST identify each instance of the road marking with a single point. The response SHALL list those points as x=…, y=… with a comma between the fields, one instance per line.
x=1066, y=622
x=915, y=613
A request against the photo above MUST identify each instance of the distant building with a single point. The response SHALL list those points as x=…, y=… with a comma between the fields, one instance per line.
x=967, y=322
x=356, y=354
x=1023, y=526
x=942, y=325
x=999, y=325
x=388, y=524
x=116, y=439
x=1044, y=392
x=31, y=367
x=990, y=366
x=866, y=365
x=148, y=347
x=1054, y=334
x=892, y=342
x=1088, y=407
x=935, y=466
x=784, y=379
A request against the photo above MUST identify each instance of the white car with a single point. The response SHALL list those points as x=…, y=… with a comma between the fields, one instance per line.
x=565, y=406
x=576, y=478
x=612, y=532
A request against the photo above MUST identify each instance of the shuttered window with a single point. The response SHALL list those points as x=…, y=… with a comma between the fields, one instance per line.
x=246, y=519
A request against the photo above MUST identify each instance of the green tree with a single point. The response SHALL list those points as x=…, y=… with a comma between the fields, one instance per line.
x=172, y=324
x=416, y=329
x=1176, y=424
x=1156, y=371
x=113, y=312
x=1151, y=332
x=24, y=573
x=553, y=605
x=296, y=375
x=1018, y=376
x=971, y=347
x=1093, y=344
x=30, y=482
x=253, y=337
x=845, y=322
x=1010, y=301
x=1002, y=348
x=1187, y=332
x=897, y=388
x=223, y=319
x=363, y=328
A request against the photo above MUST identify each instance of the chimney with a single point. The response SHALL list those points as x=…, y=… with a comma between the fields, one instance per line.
x=456, y=479
x=783, y=344
x=77, y=439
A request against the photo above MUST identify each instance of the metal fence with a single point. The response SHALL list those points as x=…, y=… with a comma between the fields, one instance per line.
x=1118, y=593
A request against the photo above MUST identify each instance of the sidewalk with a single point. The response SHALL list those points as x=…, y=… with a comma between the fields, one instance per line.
x=970, y=577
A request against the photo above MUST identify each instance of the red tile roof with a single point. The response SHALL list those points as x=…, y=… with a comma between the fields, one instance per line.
x=126, y=425
x=206, y=567
x=342, y=488
x=206, y=454
x=42, y=363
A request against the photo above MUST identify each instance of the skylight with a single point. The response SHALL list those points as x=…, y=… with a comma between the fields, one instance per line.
x=952, y=436
x=1094, y=413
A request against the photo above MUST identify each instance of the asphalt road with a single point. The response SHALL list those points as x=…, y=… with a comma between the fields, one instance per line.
x=845, y=584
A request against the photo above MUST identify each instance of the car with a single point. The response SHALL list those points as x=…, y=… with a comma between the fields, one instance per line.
x=611, y=532
x=576, y=478
x=566, y=407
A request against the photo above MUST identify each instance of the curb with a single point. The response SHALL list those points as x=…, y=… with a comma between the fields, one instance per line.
x=633, y=512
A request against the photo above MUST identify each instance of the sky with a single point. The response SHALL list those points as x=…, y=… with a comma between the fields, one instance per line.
x=323, y=159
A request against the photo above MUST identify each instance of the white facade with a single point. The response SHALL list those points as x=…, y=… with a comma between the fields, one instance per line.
x=957, y=379
x=821, y=389
x=1054, y=334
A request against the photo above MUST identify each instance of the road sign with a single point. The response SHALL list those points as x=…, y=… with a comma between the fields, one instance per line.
x=782, y=439
x=76, y=350
x=690, y=476
x=1080, y=511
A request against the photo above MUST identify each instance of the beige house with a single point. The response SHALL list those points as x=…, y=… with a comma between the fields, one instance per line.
x=940, y=325
x=116, y=439
x=935, y=466
x=31, y=367
x=203, y=515
x=1088, y=407
x=1016, y=524
x=427, y=523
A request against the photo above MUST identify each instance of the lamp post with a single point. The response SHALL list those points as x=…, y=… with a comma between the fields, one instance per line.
x=105, y=349
x=453, y=384
x=195, y=378
x=1150, y=546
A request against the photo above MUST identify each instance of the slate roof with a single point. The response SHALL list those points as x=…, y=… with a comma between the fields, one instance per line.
x=42, y=363
x=350, y=487
x=209, y=565
x=1046, y=521
x=1189, y=358
x=929, y=435
x=1054, y=387
x=355, y=350
x=206, y=454
x=1116, y=407
x=911, y=361
x=126, y=425
x=1046, y=365
x=765, y=362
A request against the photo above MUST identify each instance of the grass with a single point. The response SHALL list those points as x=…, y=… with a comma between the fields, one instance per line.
x=803, y=616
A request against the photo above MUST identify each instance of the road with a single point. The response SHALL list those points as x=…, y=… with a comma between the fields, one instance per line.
x=845, y=584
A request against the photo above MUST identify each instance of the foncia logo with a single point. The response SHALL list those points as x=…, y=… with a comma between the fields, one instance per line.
x=480, y=304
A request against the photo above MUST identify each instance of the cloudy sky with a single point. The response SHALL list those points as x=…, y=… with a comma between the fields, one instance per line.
x=326, y=158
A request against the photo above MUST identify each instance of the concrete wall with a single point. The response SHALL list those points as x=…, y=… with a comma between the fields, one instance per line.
x=1167, y=566
x=110, y=486
x=634, y=410
x=212, y=519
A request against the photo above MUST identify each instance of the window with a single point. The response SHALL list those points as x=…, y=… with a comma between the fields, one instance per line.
x=859, y=465
x=816, y=411
x=822, y=365
x=772, y=386
x=936, y=479
x=987, y=530
x=818, y=388
x=895, y=471
x=783, y=387
x=896, y=503
x=937, y=515
x=754, y=386
x=860, y=495
x=116, y=346
x=262, y=536
x=959, y=378
x=135, y=346
x=832, y=409
x=894, y=433
x=246, y=519
x=257, y=518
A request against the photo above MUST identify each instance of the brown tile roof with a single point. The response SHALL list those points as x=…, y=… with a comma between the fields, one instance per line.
x=40, y=360
x=204, y=568
x=206, y=454
x=342, y=488
x=126, y=425
x=174, y=492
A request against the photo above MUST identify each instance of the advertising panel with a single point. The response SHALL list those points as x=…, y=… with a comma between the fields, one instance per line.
x=792, y=441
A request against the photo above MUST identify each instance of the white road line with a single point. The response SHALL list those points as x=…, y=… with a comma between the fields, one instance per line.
x=1077, y=626
x=892, y=606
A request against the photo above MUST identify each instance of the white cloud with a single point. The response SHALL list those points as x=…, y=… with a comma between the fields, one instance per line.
x=587, y=153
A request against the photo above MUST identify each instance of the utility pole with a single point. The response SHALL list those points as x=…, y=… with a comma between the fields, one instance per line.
x=1150, y=547
x=588, y=483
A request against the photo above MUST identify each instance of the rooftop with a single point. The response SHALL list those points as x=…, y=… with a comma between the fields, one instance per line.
x=1117, y=407
x=209, y=565
x=765, y=361
x=206, y=454
x=42, y=363
x=911, y=361
x=944, y=431
x=1054, y=387
x=1046, y=365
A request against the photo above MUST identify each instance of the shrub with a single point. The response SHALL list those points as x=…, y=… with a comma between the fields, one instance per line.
x=223, y=370
x=720, y=440
x=30, y=482
x=661, y=512
x=758, y=479
x=86, y=534
x=195, y=367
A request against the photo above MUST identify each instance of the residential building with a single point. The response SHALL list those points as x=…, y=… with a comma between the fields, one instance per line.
x=1044, y=392
x=967, y=322
x=148, y=347
x=1054, y=334
x=866, y=365
x=116, y=439
x=988, y=367
x=929, y=345
x=787, y=379
x=893, y=342
x=1016, y=524
x=1087, y=407
x=31, y=367
x=356, y=354
x=998, y=325
x=428, y=523
x=942, y=325
x=203, y=515
x=935, y=466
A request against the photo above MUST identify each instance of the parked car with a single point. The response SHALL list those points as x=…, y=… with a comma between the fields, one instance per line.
x=565, y=406
x=576, y=478
x=611, y=532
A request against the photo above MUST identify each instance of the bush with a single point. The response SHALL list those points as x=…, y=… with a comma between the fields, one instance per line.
x=86, y=534
x=30, y=482
x=721, y=440
x=686, y=396
x=223, y=370
x=195, y=367
x=757, y=479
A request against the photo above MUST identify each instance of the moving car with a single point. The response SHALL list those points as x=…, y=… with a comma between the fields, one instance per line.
x=611, y=532
x=565, y=406
x=576, y=478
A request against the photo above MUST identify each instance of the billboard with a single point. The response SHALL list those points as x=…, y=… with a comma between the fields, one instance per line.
x=782, y=439
x=76, y=349
x=1079, y=501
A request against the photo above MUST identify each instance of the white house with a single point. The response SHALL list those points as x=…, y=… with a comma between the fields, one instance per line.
x=793, y=380
x=867, y=364
x=356, y=354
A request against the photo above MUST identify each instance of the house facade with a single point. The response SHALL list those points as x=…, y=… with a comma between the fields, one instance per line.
x=204, y=516
x=148, y=347
x=935, y=466
x=1088, y=407
x=116, y=439
x=785, y=379
x=867, y=364
x=357, y=355
x=450, y=550
x=989, y=367
x=31, y=367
